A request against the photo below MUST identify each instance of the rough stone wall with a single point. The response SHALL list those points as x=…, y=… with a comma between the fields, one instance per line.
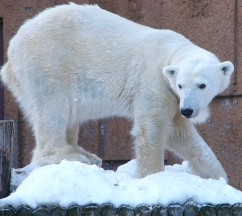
x=215, y=25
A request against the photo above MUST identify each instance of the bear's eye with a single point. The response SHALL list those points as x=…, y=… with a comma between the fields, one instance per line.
x=202, y=86
x=179, y=86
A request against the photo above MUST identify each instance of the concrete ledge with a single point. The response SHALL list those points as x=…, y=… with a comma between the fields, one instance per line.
x=188, y=209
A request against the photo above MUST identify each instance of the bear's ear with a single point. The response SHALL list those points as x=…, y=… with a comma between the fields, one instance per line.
x=227, y=68
x=170, y=71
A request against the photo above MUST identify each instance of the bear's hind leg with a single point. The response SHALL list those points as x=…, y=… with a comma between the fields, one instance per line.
x=51, y=142
x=72, y=139
x=72, y=134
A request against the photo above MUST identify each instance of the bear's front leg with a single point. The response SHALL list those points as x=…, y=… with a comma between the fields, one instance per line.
x=187, y=143
x=150, y=139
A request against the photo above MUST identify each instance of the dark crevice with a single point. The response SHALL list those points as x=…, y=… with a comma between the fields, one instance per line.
x=1, y=63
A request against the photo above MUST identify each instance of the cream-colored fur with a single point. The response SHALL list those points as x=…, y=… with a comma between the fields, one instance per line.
x=73, y=63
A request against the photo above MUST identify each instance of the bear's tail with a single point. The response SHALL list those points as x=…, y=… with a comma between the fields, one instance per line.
x=6, y=74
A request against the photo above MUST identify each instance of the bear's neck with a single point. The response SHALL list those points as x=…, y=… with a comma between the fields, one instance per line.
x=181, y=52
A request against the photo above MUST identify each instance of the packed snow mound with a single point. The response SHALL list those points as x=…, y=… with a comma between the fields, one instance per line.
x=72, y=183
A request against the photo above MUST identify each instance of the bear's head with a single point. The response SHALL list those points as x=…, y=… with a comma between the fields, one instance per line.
x=196, y=83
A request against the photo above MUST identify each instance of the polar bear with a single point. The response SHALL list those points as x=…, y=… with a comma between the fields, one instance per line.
x=73, y=63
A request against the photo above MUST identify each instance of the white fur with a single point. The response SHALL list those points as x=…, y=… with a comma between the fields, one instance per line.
x=73, y=63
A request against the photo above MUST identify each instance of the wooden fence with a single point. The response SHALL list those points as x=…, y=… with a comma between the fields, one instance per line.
x=6, y=148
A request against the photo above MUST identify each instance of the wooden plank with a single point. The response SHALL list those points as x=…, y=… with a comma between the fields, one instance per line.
x=6, y=147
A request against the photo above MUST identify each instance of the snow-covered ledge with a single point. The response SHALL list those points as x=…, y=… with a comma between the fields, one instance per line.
x=188, y=209
x=73, y=188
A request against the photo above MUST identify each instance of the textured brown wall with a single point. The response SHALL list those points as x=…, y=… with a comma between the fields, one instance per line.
x=215, y=25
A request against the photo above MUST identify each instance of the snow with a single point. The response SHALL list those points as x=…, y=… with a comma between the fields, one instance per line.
x=72, y=183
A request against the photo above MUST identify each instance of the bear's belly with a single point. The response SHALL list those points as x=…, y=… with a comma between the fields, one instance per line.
x=91, y=109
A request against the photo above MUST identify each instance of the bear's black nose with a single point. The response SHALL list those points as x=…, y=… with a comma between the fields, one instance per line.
x=186, y=112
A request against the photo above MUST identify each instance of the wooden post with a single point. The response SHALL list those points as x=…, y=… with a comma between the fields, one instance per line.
x=6, y=147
